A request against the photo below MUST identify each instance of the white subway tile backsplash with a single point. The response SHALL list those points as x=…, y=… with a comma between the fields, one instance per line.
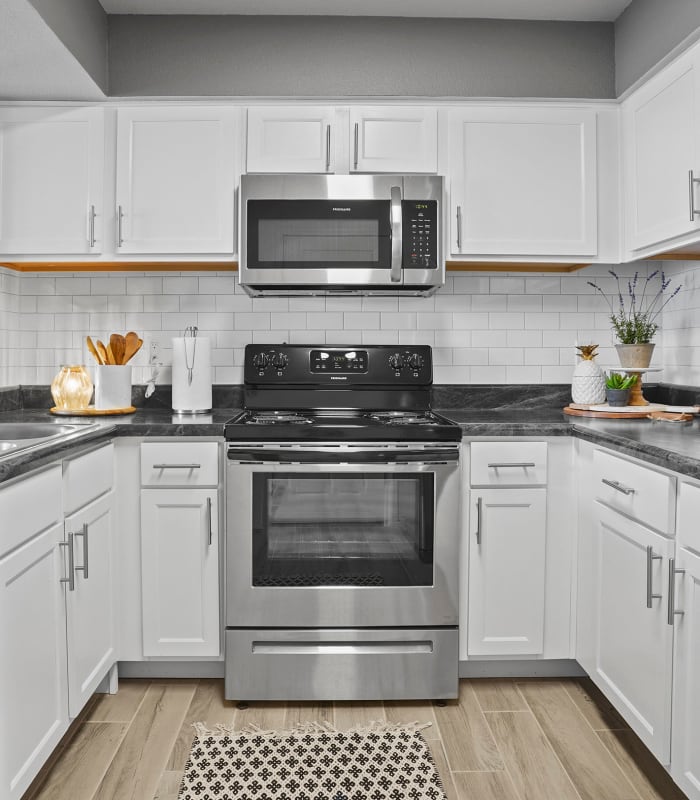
x=485, y=328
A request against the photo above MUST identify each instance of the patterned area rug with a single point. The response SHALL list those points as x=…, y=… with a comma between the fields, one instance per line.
x=311, y=762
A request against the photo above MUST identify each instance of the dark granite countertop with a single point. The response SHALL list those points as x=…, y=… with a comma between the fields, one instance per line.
x=675, y=446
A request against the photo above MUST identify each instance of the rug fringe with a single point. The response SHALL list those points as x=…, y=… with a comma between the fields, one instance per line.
x=306, y=728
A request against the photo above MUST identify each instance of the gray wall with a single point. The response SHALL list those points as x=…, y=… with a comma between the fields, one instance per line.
x=82, y=27
x=646, y=32
x=355, y=56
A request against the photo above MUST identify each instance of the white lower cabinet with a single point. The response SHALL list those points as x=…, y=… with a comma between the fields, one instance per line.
x=33, y=681
x=180, y=572
x=90, y=600
x=634, y=657
x=507, y=533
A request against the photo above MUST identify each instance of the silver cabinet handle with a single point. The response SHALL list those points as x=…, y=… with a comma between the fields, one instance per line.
x=328, y=148
x=650, y=560
x=522, y=464
x=459, y=228
x=672, y=572
x=209, y=517
x=618, y=486
x=70, y=580
x=84, y=568
x=91, y=226
x=478, y=520
x=357, y=145
x=396, y=225
x=120, y=218
x=177, y=466
x=692, y=180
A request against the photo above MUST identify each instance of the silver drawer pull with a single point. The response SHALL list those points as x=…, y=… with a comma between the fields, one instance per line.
x=618, y=486
x=672, y=572
x=209, y=518
x=478, y=520
x=177, y=466
x=70, y=580
x=520, y=464
x=341, y=648
x=650, y=592
x=84, y=568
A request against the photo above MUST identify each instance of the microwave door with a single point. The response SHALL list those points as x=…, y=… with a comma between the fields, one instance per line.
x=324, y=241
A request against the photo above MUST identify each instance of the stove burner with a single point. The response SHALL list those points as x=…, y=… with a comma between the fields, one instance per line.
x=402, y=418
x=278, y=417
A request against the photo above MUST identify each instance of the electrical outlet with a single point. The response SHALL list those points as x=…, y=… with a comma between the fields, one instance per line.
x=155, y=353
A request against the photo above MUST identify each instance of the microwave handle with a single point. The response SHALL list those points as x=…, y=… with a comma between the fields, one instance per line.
x=396, y=227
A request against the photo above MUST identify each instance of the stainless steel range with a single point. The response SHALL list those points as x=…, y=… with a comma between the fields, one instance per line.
x=342, y=528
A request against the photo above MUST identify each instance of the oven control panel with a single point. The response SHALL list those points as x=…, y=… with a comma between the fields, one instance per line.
x=338, y=366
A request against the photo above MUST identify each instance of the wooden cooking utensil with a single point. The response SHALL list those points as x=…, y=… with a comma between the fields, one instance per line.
x=93, y=350
x=133, y=344
x=102, y=350
x=117, y=345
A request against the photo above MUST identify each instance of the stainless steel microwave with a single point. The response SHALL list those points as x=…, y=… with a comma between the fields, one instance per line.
x=341, y=234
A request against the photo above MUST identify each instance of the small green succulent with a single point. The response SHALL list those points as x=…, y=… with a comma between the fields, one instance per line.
x=616, y=380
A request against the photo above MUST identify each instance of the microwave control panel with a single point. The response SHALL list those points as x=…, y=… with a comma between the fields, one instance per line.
x=420, y=234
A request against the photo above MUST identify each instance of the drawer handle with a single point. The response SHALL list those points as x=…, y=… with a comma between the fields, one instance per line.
x=209, y=518
x=519, y=464
x=650, y=592
x=672, y=572
x=177, y=466
x=618, y=486
x=478, y=520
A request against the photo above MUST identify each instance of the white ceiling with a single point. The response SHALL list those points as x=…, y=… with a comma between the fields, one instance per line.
x=581, y=10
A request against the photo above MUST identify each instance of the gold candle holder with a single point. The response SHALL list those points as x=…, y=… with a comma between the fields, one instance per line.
x=71, y=389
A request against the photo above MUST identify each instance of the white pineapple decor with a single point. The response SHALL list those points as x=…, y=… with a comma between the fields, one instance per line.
x=588, y=384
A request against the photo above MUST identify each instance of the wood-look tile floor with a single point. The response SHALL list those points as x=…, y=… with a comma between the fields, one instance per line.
x=501, y=740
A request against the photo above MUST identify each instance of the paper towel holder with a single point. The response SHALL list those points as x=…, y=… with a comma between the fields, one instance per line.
x=192, y=386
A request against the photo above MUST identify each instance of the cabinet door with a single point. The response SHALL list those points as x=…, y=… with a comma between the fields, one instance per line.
x=180, y=572
x=90, y=604
x=660, y=127
x=635, y=642
x=524, y=182
x=176, y=180
x=685, y=759
x=507, y=538
x=293, y=139
x=393, y=139
x=33, y=683
x=51, y=169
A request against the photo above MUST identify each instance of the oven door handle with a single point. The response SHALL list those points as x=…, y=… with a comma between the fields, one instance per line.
x=427, y=456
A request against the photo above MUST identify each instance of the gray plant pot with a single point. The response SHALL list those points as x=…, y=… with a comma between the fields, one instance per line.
x=617, y=397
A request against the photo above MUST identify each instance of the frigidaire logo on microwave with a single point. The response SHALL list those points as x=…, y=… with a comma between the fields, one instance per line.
x=341, y=209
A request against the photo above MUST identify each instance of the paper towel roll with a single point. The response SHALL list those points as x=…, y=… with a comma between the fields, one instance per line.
x=191, y=396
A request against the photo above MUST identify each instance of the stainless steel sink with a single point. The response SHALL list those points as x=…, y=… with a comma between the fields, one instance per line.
x=15, y=436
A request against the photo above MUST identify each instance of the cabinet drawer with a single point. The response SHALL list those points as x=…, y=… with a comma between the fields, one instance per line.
x=508, y=464
x=29, y=506
x=689, y=516
x=87, y=477
x=637, y=491
x=180, y=464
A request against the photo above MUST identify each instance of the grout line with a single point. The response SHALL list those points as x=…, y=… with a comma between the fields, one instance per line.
x=617, y=762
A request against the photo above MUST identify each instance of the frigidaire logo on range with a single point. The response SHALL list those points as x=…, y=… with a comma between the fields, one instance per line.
x=339, y=377
x=341, y=209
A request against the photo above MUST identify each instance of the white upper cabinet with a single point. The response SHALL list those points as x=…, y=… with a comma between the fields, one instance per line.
x=523, y=181
x=51, y=173
x=393, y=139
x=661, y=140
x=318, y=139
x=291, y=139
x=176, y=178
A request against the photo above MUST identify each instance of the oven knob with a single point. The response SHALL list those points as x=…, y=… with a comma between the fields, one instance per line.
x=279, y=360
x=415, y=361
x=260, y=360
x=396, y=361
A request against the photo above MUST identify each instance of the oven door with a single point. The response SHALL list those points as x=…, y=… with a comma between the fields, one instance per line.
x=356, y=536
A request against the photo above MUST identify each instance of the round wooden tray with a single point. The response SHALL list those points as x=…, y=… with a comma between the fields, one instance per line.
x=91, y=411
x=643, y=412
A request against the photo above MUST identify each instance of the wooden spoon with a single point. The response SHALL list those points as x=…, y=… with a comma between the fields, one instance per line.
x=117, y=345
x=93, y=350
x=133, y=344
x=102, y=350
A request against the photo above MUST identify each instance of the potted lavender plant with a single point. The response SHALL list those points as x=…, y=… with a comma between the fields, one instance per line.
x=635, y=319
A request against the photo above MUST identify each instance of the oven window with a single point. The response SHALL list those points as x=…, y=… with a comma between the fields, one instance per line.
x=318, y=233
x=364, y=529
